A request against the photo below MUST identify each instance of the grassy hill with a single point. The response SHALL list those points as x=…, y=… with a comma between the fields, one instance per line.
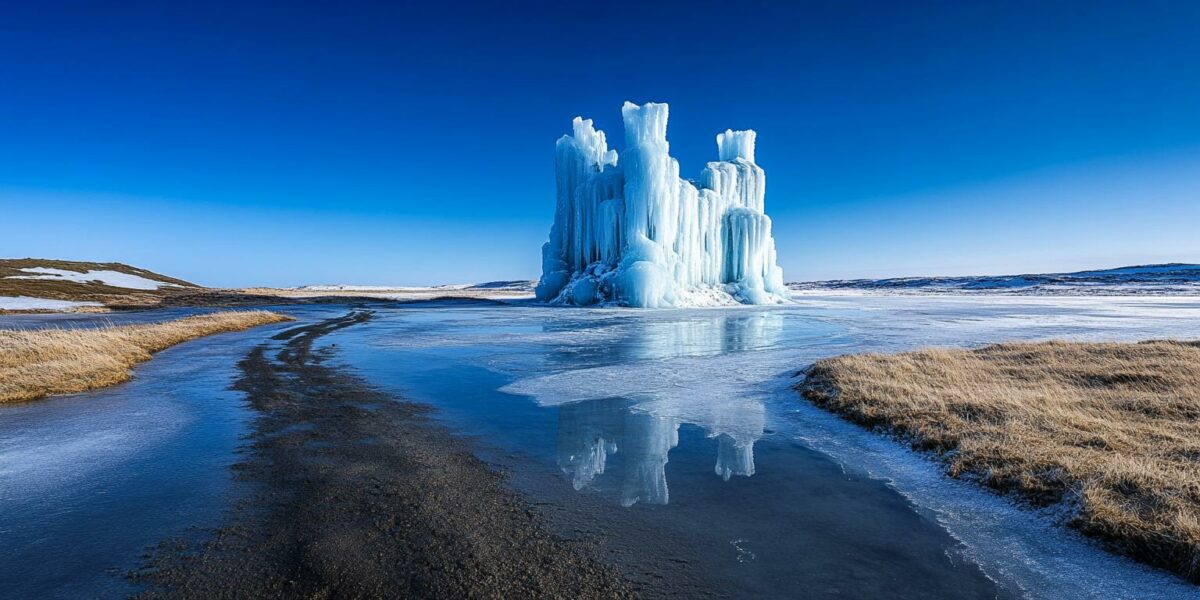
x=86, y=281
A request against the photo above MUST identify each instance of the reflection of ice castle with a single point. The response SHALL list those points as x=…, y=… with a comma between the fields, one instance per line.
x=734, y=457
x=632, y=232
x=605, y=411
x=589, y=432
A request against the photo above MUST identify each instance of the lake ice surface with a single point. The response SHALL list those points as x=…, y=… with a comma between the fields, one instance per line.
x=673, y=436
x=626, y=387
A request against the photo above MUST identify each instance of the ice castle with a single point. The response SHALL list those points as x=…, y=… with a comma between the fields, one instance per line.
x=628, y=231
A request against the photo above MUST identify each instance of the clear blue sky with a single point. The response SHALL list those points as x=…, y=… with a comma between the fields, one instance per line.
x=237, y=143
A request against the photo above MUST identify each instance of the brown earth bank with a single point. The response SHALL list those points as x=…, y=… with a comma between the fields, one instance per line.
x=40, y=362
x=1112, y=430
x=359, y=494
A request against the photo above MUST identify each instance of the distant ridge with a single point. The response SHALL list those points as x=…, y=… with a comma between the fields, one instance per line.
x=514, y=285
x=1158, y=279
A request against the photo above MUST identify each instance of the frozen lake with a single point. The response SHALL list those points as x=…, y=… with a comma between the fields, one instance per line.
x=671, y=438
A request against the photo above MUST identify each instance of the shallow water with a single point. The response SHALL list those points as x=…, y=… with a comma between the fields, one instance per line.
x=70, y=320
x=88, y=482
x=671, y=438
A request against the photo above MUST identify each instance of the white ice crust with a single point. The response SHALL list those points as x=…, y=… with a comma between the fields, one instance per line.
x=630, y=232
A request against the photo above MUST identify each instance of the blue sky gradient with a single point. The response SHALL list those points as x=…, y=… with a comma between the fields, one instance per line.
x=285, y=143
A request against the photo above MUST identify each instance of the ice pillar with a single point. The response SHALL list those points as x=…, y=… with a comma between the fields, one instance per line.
x=631, y=232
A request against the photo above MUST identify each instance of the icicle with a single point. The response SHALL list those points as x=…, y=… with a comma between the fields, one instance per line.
x=733, y=145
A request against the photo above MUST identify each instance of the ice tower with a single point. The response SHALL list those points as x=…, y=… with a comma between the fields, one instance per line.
x=631, y=232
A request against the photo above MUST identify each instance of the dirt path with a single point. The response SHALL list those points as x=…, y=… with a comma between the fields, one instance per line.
x=360, y=495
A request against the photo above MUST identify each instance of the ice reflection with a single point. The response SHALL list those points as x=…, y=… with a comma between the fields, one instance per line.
x=648, y=439
x=703, y=335
x=734, y=457
x=589, y=432
x=605, y=414
x=654, y=336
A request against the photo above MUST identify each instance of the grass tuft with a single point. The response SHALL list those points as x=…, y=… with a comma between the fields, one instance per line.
x=38, y=363
x=1112, y=429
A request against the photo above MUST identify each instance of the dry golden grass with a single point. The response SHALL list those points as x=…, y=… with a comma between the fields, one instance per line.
x=39, y=363
x=1113, y=429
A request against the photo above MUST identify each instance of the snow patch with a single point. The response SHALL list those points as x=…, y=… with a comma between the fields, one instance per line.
x=110, y=278
x=29, y=303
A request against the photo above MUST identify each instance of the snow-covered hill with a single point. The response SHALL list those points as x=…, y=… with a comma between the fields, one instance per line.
x=40, y=284
x=1164, y=279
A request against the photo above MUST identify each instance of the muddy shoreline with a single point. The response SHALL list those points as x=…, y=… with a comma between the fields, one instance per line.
x=359, y=494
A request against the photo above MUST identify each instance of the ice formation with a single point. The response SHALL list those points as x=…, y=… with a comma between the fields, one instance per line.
x=627, y=230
